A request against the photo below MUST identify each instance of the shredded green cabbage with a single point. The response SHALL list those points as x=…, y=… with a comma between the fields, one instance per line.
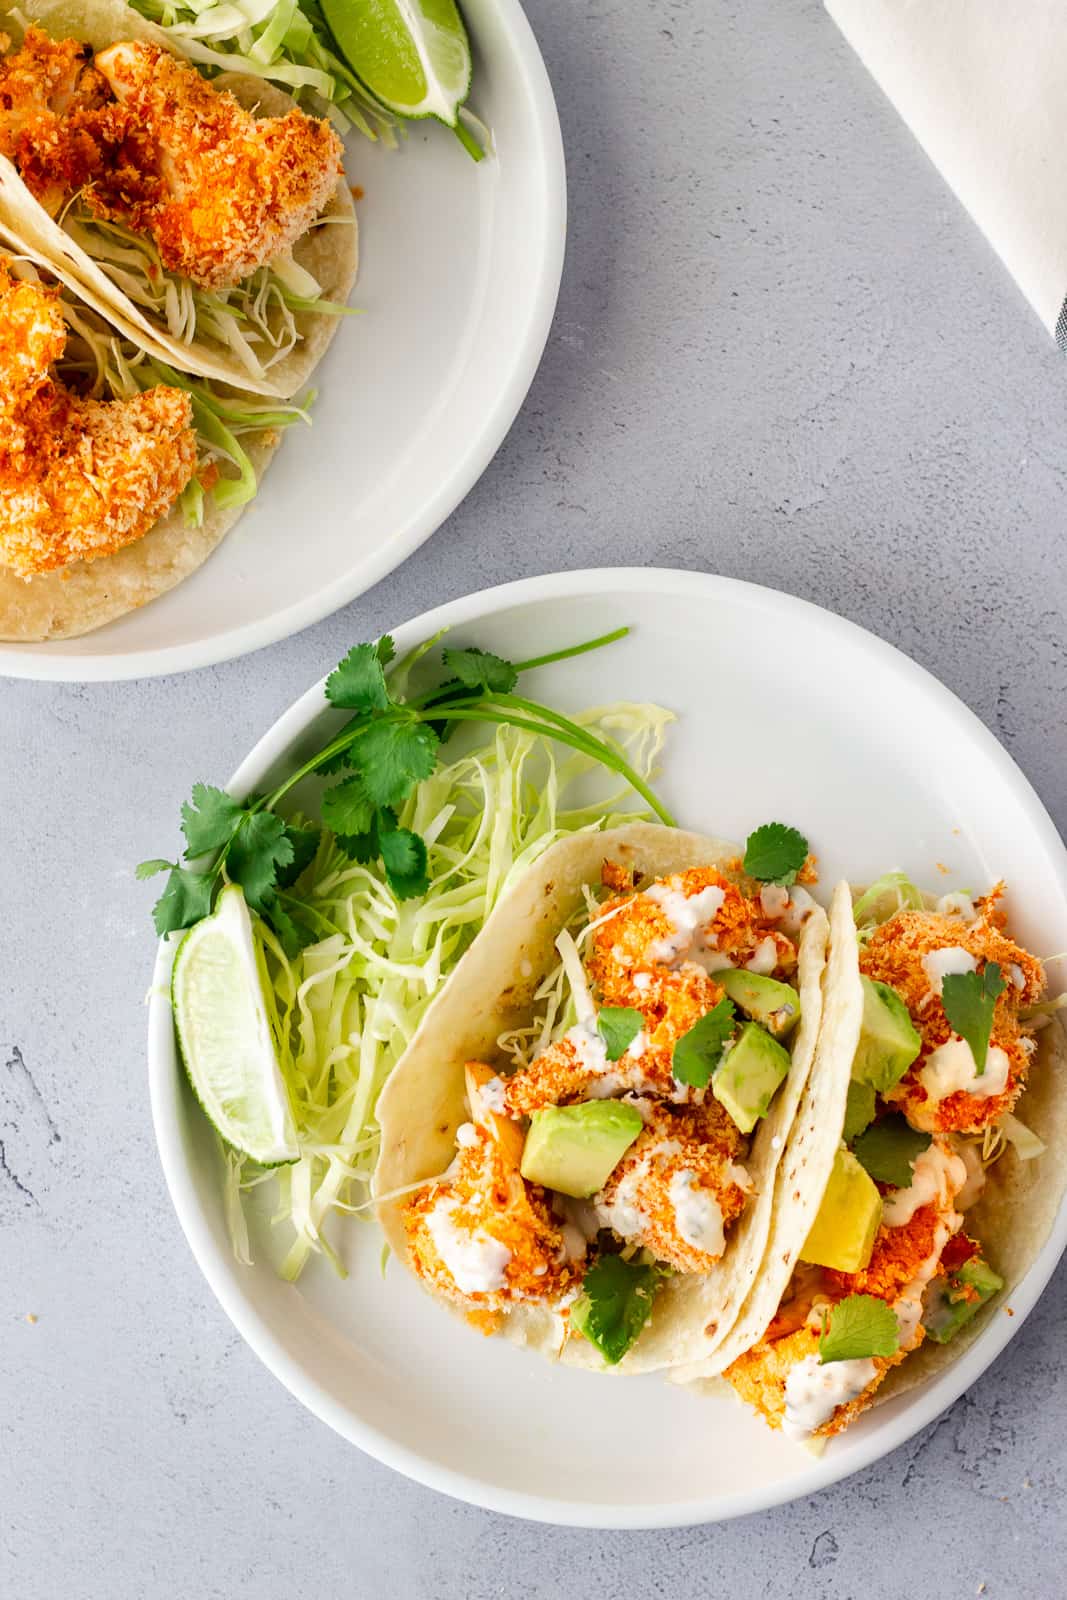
x=344, y=1010
x=286, y=42
x=892, y=892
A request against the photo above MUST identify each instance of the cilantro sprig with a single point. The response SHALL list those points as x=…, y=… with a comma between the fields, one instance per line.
x=888, y=1150
x=775, y=853
x=618, y=1026
x=697, y=1053
x=858, y=1327
x=615, y=1303
x=970, y=999
x=385, y=750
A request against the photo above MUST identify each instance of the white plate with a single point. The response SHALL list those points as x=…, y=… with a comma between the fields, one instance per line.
x=459, y=273
x=784, y=711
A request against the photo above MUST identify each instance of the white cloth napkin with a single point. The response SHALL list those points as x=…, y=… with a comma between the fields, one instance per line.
x=983, y=86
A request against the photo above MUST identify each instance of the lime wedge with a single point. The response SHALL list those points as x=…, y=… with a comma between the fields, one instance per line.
x=412, y=55
x=224, y=1034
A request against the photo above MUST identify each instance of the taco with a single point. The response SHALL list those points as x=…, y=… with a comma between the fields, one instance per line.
x=118, y=475
x=580, y=1144
x=209, y=221
x=928, y=1196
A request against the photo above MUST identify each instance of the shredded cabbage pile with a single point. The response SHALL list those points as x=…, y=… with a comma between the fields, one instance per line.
x=344, y=1010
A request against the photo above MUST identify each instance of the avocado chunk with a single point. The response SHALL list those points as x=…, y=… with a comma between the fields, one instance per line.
x=765, y=1000
x=575, y=1149
x=748, y=1077
x=842, y=1235
x=888, y=1041
x=859, y=1110
x=951, y=1302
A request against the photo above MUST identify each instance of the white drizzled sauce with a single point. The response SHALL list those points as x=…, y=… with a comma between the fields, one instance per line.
x=686, y=913
x=624, y=1213
x=975, y=1182
x=908, y=1306
x=697, y=1214
x=573, y=1243
x=491, y=1093
x=814, y=1390
x=466, y=1135
x=774, y=898
x=608, y=1078
x=475, y=1259
x=957, y=905
x=937, y=1176
x=642, y=981
x=939, y=964
x=801, y=905
x=1017, y=975
x=950, y=1069
x=764, y=958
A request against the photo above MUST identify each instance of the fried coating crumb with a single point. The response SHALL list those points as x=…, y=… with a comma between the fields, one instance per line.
x=894, y=955
x=79, y=478
x=684, y=1164
x=152, y=144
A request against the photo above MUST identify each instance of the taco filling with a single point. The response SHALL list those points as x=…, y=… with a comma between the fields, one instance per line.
x=945, y=1043
x=141, y=139
x=614, y=1154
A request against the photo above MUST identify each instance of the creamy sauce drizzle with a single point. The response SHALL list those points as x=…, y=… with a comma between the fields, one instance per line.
x=687, y=914
x=814, y=1390
x=950, y=1069
x=939, y=964
x=475, y=1259
x=697, y=1214
x=937, y=1176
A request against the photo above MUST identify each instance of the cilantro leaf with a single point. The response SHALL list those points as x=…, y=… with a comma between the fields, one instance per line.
x=618, y=1026
x=404, y=859
x=698, y=1052
x=614, y=1304
x=186, y=898
x=775, y=853
x=859, y=1109
x=361, y=847
x=259, y=848
x=347, y=808
x=859, y=1326
x=888, y=1149
x=386, y=649
x=148, y=869
x=305, y=842
x=392, y=757
x=294, y=933
x=358, y=682
x=209, y=821
x=969, y=999
x=480, y=669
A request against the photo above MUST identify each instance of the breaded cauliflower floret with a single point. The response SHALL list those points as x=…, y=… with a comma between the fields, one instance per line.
x=235, y=190
x=152, y=144
x=483, y=1237
x=79, y=478
x=761, y=1374
x=656, y=929
x=895, y=955
x=680, y=1185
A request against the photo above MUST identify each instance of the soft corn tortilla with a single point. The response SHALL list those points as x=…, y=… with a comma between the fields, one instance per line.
x=87, y=594
x=491, y=992
x=329, y=252
x=1012, y=1219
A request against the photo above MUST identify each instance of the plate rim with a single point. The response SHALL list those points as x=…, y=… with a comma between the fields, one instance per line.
x=917, y=1409
x=50, y=661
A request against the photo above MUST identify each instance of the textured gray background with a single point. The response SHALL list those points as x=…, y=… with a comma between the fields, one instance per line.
x=782, y=353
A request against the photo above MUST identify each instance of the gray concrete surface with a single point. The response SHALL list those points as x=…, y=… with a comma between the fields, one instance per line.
x=782, y=352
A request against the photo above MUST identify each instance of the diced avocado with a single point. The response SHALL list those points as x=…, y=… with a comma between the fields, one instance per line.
x=748, y=1078
x=575, y=1149
x=888, y=1041
x=842, y=1235
x=765, y=1000
x=952, y=1302
x=859, y=1110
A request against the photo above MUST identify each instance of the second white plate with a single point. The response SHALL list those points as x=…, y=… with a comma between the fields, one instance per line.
x=459, y=272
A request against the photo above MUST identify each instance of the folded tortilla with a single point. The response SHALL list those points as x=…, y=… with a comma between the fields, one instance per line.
x=491, y=992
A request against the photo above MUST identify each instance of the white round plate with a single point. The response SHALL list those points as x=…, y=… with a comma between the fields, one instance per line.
x=460, y=267
x=783, y=711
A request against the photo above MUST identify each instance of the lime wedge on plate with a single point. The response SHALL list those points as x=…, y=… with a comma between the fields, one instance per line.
x=412, y=55
x=224, y=1034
